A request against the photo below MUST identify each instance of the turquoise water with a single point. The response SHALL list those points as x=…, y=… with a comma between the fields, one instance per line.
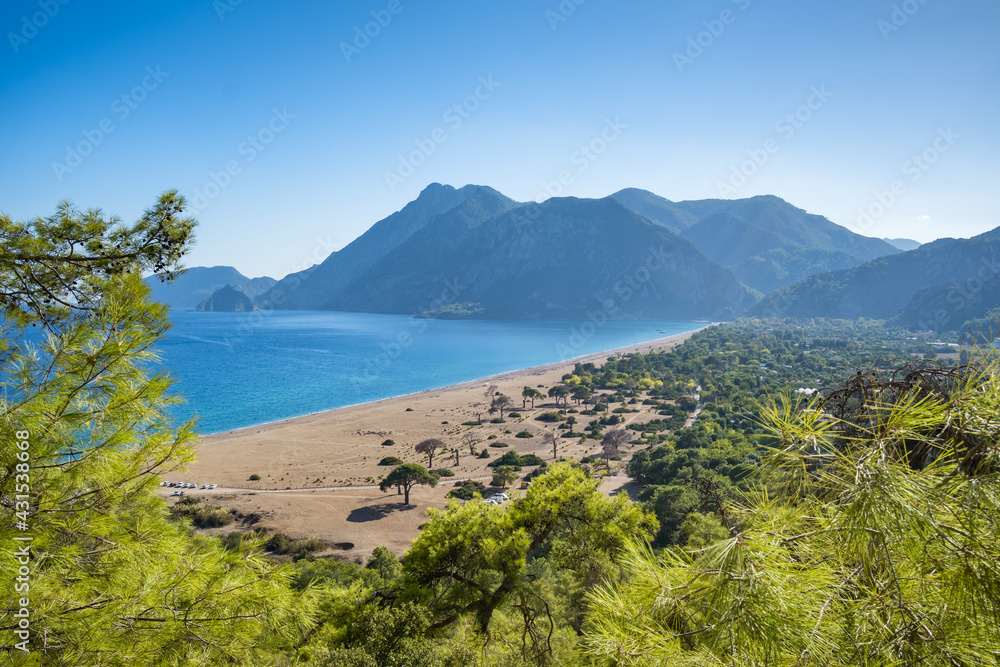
x=242, y=369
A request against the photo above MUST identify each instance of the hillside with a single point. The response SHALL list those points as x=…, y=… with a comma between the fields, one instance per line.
x=314, y=288
x=938, y=286
x=199, y=283
x=578, y=256
x=768, y=243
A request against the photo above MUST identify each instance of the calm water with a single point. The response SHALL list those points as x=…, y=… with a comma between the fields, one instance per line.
x=241, y=369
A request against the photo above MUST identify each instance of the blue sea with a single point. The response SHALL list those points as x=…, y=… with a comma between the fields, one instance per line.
x=242, y=369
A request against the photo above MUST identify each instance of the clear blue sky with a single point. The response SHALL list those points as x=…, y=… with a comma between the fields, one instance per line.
x=223, y=68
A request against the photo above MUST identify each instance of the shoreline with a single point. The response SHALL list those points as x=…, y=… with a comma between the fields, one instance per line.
x=318, y=475
x=505, y=375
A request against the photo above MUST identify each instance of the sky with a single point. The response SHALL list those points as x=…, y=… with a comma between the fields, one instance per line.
x=293, y=127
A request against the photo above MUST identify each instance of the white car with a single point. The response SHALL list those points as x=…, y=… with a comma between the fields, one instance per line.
x=212, y=486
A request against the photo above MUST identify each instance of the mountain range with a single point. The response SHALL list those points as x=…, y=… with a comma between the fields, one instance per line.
x=199, y=283
x=939, y=286
x=473, y=252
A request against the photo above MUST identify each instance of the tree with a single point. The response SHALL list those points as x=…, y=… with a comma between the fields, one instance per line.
x=530, y=394
x=501, y=404
x=490, y=393
x=470, y=441
x=384, y=562
x=504, y=475
x=581, y=393
x=613, y=441
x=551, y=438
x=874, y=544
x=471, y=560
x=86, y=423
x=429, y=447
x=560, y=392
x=406, y=477
x=457, y=462
x=54, y=268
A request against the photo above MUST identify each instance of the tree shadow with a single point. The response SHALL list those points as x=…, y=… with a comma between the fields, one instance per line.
x=376, y=512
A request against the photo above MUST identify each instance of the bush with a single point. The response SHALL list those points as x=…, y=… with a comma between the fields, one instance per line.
x=499, y=444
x=442, y=472
x=470, y=423
x=280, y=543
x=525, y=434
x=485, y=454
x=550, y=417
x=391, y=461
x=254, y=478
x=467, y=490
x=514, y=415
x=498, y=421
x=531, y=460
x=388, y=443
x=511, y=458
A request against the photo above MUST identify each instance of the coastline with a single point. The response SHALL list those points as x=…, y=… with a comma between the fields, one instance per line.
x=318, y=474
x=482, y=381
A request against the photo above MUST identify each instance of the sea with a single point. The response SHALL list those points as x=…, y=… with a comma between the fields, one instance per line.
x=243, y=369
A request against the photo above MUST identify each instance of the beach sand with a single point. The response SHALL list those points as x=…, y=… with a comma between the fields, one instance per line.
x=319, y=473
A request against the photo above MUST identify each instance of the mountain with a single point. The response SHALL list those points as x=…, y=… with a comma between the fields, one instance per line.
x=229, y=299
x=314, y=288
x=768, y=243
x=903, y=244
x=656, y=209
x=199, y=283
x=567, y=258
x=938, y=286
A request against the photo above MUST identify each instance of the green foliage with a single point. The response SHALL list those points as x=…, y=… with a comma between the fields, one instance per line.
x=254, y=478
x=499, y=445
x=475, y=560
x=467, y=490
x=391, y=461
x=524, y=434
x=875, y=546
x=443, y=472
x=550, y=417
x=388, y=443
x=384, y=562
x=202, y=516
x=406, y=477
x=504, y=475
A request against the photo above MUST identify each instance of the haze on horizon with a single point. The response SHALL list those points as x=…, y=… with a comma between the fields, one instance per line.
x=291, y=131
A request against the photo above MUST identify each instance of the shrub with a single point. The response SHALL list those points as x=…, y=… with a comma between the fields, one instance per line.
x=391, y=461
x=254, y=478
x=485, y=454
x=409, y=410
x=510, y=458
x=388, y=443
x=531, y=460
x=442, y=472
x=525, y=434
x=467, y=490
x=499, y=444
x=498, y=421
x=470, y=423
x=550, y=417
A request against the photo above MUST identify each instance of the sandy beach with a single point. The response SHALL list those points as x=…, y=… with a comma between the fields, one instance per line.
x=319, y=473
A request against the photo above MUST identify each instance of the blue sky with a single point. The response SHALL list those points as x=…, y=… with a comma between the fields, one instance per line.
x=310, y=142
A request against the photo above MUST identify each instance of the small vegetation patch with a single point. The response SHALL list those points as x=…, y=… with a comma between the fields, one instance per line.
x=550, y=417
x=525, y=434
x=467, y=490
x=254, y=478
x=202, y=516
x=442, y=472
x=391, y=461
x=499, y=444
x=388, y=443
